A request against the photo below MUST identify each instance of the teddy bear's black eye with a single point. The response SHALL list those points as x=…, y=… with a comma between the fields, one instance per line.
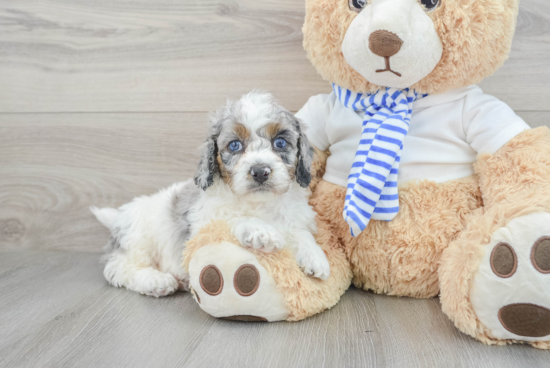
x=357, y=5
x=430, y=4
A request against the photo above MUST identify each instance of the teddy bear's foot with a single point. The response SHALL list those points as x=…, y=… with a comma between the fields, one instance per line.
x=230, y=283
x=510, y=291
x=495, y=278
x=246, y=284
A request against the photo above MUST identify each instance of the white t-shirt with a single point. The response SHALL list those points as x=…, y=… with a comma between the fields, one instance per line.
x=446, y=133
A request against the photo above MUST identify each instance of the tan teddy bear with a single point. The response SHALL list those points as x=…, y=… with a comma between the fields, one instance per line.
x=430, y=187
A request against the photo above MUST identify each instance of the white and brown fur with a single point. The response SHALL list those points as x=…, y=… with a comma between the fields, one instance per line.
x=148, y=235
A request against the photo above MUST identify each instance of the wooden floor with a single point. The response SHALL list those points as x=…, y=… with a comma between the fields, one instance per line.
x=104, y=100
x=56, y=310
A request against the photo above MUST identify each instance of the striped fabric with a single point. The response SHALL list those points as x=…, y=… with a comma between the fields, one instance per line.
x=372, y=181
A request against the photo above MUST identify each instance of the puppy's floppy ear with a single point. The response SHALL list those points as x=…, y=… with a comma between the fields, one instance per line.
x=208, y=165
x=304, y=156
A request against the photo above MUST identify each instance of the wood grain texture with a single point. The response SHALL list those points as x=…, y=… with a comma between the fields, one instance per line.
x=524, y=80
x=535, y=118
x=54, y=166
x=166, y=55
x=59, y=312
x=417, y=334
x=138, y=76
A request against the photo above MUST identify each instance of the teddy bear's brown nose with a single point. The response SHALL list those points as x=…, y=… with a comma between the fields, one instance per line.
x=384, y=43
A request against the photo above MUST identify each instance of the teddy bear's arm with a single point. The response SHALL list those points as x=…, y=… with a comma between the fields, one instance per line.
x=481, y=296
x=522, y=163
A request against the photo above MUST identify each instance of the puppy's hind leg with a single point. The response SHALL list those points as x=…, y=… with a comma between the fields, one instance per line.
x=144, y=251
x=124, y=269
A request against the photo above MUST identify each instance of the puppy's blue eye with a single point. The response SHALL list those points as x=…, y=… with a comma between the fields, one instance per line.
x=280, y=143
x=235, y=146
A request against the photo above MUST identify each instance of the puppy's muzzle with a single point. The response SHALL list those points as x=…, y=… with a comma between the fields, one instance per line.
x=260, y=173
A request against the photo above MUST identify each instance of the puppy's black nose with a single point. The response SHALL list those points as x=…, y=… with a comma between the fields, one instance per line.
x=260, y=173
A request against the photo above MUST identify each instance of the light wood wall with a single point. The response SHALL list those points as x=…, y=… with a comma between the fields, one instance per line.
x=104, y=100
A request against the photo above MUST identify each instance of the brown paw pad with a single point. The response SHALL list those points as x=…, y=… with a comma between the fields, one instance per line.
x=245, y=318
x=525, y=319
x=540, y=255
x=246, y=280
x=211, y=280
x=504, y=261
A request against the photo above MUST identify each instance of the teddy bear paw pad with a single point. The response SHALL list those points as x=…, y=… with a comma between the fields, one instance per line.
x=510, y=292
x=230, y=283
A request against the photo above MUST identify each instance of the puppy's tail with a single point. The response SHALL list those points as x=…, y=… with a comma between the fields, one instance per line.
x=106, y=216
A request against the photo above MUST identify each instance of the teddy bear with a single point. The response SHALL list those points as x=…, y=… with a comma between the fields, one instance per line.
x=423, y=185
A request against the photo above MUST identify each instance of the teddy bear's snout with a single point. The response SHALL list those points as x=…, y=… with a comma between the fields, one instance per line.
x=384, y=43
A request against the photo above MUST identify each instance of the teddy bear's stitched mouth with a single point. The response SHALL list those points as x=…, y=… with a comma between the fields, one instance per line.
x=388, y=68
x=385, y=44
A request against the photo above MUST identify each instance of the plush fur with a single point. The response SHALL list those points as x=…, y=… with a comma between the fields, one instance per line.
x=318, y=167
x=266, y=215
x=435, y=244
x=509, y=197
x=470, y=31
x=148, y=234
x=403, y=44
x=461, y=260
x=443, y=231
x=441, y=238
x=304, y=296
x=520, y=165
x=147, y=238
x=401, y=257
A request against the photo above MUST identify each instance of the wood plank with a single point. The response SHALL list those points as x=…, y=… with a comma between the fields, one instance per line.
x=54, y=166
x=535, y=118
x=416, y=333
x=37, y=286
x=120, y=55
x=345, y=336
x=526, y=73
x=117, y=55
x=73, y=318
x=58, y=311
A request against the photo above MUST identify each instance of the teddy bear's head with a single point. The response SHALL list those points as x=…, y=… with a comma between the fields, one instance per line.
x=430, y=45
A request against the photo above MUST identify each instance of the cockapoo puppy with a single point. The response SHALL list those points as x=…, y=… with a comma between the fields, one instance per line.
x=254, y=173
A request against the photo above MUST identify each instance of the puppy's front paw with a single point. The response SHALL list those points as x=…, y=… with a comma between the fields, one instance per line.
x=155, y=283
x=259, y=236
x=313, y=261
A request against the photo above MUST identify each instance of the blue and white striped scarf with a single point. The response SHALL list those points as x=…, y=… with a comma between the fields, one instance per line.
x=372, y=181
